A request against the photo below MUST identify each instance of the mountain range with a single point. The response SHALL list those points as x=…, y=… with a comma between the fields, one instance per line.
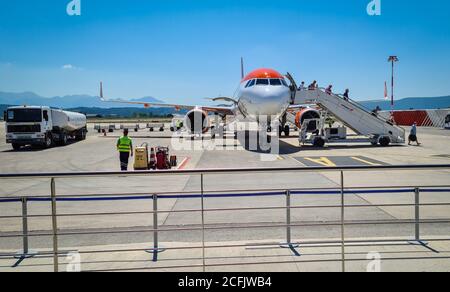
x=440, y=102
x=64, y=102
x=87, y=101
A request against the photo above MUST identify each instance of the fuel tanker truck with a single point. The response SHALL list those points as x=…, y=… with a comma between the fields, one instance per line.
x=41, y=126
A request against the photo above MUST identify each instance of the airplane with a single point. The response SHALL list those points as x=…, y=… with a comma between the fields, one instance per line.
x=264, y=96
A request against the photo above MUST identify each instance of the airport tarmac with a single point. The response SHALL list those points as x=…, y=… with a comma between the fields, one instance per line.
x=98, y=153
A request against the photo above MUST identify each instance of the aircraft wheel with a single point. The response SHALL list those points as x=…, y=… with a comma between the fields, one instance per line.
x=287, y=130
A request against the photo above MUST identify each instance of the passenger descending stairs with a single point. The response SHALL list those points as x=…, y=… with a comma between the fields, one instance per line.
x=353, y=115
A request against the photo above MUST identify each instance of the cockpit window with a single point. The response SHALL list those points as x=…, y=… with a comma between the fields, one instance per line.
x=284, y=83
x=275, y=82
x=262, y=82
x=250, y=83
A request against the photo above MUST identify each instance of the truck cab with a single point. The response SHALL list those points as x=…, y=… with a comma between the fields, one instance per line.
x=28, y=126
x=42, y=126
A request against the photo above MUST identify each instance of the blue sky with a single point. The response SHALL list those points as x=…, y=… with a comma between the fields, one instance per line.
x=186, y=50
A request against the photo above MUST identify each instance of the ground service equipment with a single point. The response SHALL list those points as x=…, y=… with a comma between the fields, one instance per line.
x=43, y=126
x=141, y=157
x=162, y=158
x=363, y=122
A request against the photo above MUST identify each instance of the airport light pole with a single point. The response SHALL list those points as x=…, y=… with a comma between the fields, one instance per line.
x=393, y=60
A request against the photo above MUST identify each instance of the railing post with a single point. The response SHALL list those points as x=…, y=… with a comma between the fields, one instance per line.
x=417, y=240
x=155, y=222
x=25, y=253
x=54, y=227
x=156, y=249
x=288, y=243
x=342, y=222
x=203, y=222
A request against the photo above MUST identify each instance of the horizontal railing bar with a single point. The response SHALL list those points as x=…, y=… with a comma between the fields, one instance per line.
x=46, y=199
x=225, y=171
x=162, y=194
x=225, y=210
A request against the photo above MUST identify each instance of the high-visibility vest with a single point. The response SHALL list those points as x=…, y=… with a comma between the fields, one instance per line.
x=124, y=144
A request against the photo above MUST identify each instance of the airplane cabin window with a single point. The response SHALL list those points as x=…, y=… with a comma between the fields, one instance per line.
x=262, y=82
x=275, y=82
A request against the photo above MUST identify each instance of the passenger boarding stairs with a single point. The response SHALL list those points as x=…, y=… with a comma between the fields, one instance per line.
x=354, y=116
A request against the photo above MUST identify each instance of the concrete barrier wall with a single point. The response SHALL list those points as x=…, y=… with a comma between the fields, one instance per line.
x=423, y=118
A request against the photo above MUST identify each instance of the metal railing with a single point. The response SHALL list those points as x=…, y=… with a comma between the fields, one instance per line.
x=288, y=242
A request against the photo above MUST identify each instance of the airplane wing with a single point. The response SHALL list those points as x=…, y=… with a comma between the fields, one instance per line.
x=224, y=110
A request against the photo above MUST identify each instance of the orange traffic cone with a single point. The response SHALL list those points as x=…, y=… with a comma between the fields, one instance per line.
x=152, y=159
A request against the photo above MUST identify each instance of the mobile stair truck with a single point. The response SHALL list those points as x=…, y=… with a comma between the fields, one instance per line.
x=364, y=123
x=41, y=126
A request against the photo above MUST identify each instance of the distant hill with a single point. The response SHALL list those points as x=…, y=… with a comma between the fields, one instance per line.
x=119, y=112
x=440, y=102
x=69, y=101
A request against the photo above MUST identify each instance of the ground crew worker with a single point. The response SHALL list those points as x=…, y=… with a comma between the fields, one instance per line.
x=125, y=148
x=178, y=124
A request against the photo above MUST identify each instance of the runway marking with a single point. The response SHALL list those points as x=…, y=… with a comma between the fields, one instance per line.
x=183, y=163
x=322, y=161
x=333, y=161
x=365, y=161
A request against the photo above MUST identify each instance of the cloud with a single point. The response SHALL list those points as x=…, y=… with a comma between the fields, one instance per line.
x=68, y=67
x=71, y=67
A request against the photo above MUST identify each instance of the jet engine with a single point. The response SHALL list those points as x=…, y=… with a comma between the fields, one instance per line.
x=307, y=114
x=197, y=122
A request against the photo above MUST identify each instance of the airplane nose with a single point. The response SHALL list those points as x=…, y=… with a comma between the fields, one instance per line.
x=268, y=101
x=274, y=101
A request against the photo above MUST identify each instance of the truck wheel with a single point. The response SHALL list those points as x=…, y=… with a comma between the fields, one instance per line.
x=81, y=135
x=63, y=139
x=48, y=141
x=16, y=147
